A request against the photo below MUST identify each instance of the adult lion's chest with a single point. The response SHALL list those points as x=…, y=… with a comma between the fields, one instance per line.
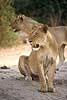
x=42, y=53
x=33, y=63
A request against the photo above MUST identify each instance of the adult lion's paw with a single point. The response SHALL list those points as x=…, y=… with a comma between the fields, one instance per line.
x=51, y=90
x=43, y=89
x=28, y=78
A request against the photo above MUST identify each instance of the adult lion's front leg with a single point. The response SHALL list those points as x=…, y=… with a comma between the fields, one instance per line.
x=50, y=74
x=61, y=53
x=42, y=78
x=24, y=68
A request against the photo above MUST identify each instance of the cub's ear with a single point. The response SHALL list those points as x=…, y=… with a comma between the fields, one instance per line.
x=45, y=28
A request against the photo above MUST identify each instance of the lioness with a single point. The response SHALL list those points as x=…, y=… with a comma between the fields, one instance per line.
x=48, y=47
x=27, y=25
x=36, y=63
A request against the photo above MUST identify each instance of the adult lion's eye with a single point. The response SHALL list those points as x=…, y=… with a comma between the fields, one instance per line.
x=30, y=41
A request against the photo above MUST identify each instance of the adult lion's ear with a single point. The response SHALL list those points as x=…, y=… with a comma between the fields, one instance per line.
x=45, y=28
x=21, y=17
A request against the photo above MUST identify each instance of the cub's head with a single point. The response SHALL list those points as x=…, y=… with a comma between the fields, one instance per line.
x=39, y=36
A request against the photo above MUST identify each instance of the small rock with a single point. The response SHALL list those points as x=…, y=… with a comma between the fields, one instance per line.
x=2, y=78
x=4, y=67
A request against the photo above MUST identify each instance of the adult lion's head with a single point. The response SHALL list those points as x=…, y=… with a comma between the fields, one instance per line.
x=39, y=36
x=24, y=24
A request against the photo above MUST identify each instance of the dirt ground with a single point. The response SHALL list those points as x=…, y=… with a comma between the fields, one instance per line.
x=14, y=87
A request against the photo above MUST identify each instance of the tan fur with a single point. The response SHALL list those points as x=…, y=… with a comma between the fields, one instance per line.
x=60, y=34
x=27, y=25
x=37, y=63
x=48, y=47
x=41, y=64
x=43, y=61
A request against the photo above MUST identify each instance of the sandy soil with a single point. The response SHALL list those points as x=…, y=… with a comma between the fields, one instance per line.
x=14, y=87
x=10, y=56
